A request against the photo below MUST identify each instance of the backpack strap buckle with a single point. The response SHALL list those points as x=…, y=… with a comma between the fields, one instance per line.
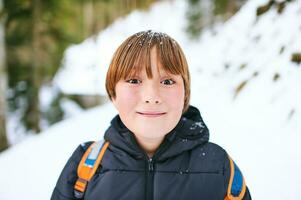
x=88, y=166
x=79, y=188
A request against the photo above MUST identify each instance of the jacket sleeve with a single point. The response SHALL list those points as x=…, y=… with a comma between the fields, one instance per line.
x=237, y=181
x=247, y=195
x=64, y=186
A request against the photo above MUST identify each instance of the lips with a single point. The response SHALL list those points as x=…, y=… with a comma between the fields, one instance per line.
x=151, y=114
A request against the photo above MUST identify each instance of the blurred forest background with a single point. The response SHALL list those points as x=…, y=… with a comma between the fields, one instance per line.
x=34, y=35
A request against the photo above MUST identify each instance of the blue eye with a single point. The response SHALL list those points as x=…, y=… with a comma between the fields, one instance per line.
x=168, y=82
x=133, y=81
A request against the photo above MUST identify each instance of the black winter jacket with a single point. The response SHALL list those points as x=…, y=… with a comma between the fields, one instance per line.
x=185, y=166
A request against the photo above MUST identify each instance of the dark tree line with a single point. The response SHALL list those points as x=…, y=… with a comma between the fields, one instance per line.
x=204, y=13
x=3, y=138
x=35, y=35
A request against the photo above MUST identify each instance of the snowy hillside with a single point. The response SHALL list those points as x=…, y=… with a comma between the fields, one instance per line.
x=90, y=60
x=243, y=81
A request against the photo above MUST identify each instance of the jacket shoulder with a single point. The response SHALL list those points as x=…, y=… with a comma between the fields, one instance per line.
x=210, y=151
x=216, y=148
x=208, y=157
x=68, y=176
x=232, y=174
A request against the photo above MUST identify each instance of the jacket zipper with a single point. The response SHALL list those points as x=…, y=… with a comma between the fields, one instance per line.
x=150, y=172
x=150, y=180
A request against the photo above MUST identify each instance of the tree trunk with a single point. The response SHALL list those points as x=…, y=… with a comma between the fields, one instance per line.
x=33, y=111
x=232, y=8
x=88, y=18
x=3, y=138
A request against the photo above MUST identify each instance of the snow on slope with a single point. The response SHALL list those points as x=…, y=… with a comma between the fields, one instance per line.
x=260, y=126
x=29, y=170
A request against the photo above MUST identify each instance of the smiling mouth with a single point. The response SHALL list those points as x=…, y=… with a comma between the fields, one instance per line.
x=151, y=114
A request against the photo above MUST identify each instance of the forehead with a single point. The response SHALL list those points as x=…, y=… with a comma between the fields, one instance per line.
x=152, y=62
x=156, y=71
x=145, y=51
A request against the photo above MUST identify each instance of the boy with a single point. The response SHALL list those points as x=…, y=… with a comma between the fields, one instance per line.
x=158, y=143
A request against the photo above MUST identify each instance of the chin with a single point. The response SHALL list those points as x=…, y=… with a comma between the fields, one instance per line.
x=154, y=133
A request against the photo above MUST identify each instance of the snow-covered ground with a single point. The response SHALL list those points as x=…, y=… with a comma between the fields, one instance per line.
x=259, y=127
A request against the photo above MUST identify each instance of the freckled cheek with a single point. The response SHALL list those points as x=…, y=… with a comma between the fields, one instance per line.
x=174, y=97
x=127, y=98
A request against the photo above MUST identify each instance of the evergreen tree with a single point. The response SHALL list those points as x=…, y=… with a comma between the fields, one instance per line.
x=37, y=34
x=3, y=137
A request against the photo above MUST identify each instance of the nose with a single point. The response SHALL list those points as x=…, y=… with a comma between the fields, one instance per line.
x=151, y=94
x=156, y=101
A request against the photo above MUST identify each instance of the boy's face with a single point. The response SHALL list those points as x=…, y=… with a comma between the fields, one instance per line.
x=150, y=108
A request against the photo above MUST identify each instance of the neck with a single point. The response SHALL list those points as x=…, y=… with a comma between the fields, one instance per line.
x=149, y=145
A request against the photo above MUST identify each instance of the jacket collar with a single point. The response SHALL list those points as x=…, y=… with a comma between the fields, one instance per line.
x=190, y=132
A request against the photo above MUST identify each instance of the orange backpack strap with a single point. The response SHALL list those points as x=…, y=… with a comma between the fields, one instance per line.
x=88, y=166
x=237, y=186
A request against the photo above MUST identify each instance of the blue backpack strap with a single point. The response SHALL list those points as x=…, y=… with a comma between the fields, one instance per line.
x=88, y=166
x=237, y=186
